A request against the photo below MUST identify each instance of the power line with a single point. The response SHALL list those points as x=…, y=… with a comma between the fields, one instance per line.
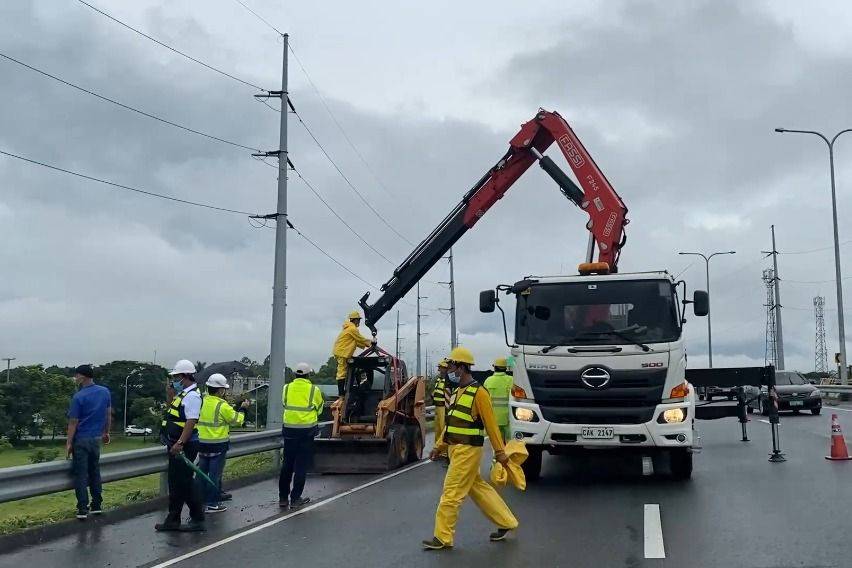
x=327, y=255
x=341, y=219
x=170, y=48
x=125, y=187
x=127, y=107
x=346, y=179
x=336, y=122
x=816, y=249
x=261, y=18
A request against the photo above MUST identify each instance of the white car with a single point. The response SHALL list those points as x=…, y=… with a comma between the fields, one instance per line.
x=137, y=431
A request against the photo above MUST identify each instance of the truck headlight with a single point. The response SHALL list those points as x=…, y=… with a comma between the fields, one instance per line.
x=672, y=416
x=525, y=414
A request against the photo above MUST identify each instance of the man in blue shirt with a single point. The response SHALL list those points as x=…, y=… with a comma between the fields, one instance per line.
x=89, y=421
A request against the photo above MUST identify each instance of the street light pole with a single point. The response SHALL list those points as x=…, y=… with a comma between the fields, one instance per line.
x=841, y=325
x=707, y=278
x=8, y=368
x=127, y=378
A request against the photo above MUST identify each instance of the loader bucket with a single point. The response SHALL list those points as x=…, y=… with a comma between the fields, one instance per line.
x=341, y=455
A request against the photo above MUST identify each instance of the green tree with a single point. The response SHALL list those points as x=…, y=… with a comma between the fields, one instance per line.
x=326, y=374
x=146, y=381
x=145, y=412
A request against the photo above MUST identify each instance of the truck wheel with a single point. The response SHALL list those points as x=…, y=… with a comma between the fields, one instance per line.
x=415, y=443
x=816, y=411
x=681, y=464
x=532, y=465
x=397, y=446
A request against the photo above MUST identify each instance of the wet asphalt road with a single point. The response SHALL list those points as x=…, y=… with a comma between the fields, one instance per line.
x=739, y=510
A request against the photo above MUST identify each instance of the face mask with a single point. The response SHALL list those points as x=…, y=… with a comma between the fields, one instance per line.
x=177, y=385
x=453, y=377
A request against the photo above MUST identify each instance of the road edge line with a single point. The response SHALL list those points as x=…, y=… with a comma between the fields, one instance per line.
x=277, y=520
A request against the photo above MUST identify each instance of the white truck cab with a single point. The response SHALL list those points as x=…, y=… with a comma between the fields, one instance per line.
x=599, y=365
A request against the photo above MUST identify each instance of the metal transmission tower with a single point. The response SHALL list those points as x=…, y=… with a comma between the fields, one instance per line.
x=779, y=333
x=820, y=351
x=770, y=356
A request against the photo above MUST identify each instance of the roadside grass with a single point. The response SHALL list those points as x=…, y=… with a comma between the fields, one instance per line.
x=48, y=509
x=20, y=455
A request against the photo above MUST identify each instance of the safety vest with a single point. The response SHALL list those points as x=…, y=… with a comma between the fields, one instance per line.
x=499, y=386
x=174, y=418
x=462, y=428
x=215, y=420
x=301, y=407
x=439, y=393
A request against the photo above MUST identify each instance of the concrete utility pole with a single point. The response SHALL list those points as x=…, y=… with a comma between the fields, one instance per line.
x=8, y=368
x=454, y=338
x=778, y=328
x=396, y=351
x=841, y=324
x=419, y=315
x=277, y=361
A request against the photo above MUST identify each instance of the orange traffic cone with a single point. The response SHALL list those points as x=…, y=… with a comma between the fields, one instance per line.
x=838, y=444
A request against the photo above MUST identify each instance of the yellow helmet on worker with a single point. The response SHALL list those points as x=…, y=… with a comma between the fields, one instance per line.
x=501, y=362
x=354, y=315
x=461, y=355
x=442, y=364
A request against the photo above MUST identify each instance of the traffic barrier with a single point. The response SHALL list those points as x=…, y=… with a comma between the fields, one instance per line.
x=21, y=482
x=838, y=449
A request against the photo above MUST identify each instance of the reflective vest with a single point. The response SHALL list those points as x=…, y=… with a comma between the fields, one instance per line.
x=499, y=386
x=215, y=420
x=462, y=428
x=439, y=393
x=174, y=418
x=302, y=403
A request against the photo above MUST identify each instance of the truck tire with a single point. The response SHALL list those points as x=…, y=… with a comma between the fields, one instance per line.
x=532, y=465
x=816, y=411
x=415, y=443
x=681, y=464
x=397, y=446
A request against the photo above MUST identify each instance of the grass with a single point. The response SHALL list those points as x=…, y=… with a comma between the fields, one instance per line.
x=47, y=509
x=20, y=455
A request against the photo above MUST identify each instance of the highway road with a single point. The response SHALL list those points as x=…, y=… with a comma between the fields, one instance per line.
x=739, y=510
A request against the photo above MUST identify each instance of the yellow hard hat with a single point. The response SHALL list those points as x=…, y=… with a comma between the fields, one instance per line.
x=354, y=314
x=442, y=364
x=461, y=355
x=501, y=362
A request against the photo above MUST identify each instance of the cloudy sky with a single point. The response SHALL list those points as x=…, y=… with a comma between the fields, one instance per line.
x=676, y=101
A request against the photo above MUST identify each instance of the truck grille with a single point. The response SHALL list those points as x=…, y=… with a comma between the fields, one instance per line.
x=630, y=397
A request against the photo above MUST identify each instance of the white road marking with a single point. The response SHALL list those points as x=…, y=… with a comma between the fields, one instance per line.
x=302, y=511
x=833, y=408
x=654, y=547
x=764, y=421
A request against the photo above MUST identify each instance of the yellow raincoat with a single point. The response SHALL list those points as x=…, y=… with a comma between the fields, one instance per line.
x=344, y=346
x=517, y=453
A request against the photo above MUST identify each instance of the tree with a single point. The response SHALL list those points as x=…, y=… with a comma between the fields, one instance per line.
x=145, y=412
x=146, y=381
x=33, y=400
x=327, y=373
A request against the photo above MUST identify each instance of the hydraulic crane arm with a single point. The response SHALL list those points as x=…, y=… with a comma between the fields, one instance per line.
x=607, y=213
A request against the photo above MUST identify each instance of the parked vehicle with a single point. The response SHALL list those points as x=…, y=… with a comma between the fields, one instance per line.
x=133, y=430
x=795, y=393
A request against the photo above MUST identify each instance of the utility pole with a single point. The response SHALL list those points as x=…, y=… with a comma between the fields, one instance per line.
x=397, y=334
x=419, y=315
x=454, y=338
x=820, y=349
x=770, y=354
x=778, y=329
x=8, y=368
x=277, y=361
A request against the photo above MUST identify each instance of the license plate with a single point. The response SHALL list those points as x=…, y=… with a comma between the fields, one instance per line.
x=797, y=403
x=597, y=433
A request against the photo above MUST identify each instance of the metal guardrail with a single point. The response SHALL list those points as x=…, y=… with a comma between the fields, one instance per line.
x=835, y=389
x=24, y=481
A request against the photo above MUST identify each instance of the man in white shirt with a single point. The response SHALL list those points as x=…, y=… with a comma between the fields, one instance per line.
x=180, y=435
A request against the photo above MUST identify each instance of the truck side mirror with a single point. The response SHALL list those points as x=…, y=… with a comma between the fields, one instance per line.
x=487, y=301
x=701, y=303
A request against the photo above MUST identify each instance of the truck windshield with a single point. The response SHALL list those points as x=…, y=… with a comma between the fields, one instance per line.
x=584, y=313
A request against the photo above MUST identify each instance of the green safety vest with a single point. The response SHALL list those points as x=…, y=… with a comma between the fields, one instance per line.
x=499, y=386
x=439, y=393
x=302, y=403
x=462, y=428
x=216, y=419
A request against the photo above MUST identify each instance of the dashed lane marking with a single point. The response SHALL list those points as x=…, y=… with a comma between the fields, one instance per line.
x=654, y=546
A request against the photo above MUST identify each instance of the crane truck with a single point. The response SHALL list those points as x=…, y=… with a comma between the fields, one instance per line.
x=599, y=356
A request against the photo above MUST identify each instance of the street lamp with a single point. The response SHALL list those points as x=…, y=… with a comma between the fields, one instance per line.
x=841, y=327
x=707, y=273
x=127, y=378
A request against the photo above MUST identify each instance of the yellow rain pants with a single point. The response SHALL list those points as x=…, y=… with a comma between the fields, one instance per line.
x=440, y=422
x=463, y=479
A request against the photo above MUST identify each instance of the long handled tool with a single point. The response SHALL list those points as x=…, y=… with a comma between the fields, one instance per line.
x=197, y=469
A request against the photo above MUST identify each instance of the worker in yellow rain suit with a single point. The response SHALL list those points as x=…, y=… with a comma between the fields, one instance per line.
x=499, y=386
x=469, y=417
x=440, y=395
x=347, y=341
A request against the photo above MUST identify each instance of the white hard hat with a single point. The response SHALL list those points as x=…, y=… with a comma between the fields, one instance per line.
x=303, y=369
x=218, y=381
x=183, y=367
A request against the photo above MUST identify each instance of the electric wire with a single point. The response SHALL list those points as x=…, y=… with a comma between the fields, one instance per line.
x=261, y=18
x=125, y=187
x=127, y=107
x=175, y=50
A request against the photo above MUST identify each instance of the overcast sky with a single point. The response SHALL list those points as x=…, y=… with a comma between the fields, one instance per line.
x=677, y=102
